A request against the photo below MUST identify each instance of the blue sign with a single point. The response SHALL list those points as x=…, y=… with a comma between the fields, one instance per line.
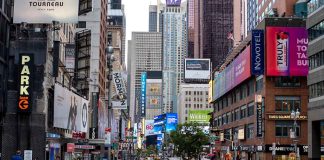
x=171, y=122
x=257, y=53
x=143, y=94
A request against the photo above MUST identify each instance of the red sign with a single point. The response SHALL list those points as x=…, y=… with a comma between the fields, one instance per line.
x=78, y=135
x=149, y=127
x=70, y=147
x=107, y=129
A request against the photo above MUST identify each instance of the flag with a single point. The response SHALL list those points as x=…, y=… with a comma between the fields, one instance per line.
x=230, y=36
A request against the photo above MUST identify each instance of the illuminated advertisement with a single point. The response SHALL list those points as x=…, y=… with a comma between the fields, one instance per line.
x=153, y=93
x=173, y=2
x=165, y=123
x=70, y=110
x=257, y=52
x=197, y=68
x=172, y=122
x=46, y=11
x=143, y=94
x=199, y=116
x=26, y=62
x=287, y=51
x=149, y=127
x=234, y=74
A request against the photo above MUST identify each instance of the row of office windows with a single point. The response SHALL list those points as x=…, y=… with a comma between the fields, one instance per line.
x=316, y=90
x=313, y=5
x=316, y=60
x=316, y=31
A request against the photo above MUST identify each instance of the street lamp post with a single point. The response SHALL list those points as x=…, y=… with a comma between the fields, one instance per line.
x=295, y=115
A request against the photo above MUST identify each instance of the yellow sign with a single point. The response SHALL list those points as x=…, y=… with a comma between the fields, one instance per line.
x=24, y=89
x=210, y=91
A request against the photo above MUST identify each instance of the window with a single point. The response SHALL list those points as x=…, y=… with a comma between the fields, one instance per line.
x=259, y=84
x=322, y=129
x=250, y=88
x=243, y=111
x=224, y=119
x=229, y=117
x=250, y=131
x=287, y=81
x=227, y=134
x=283, y=128
x=313, y=5
x=316, y=90
x=287, y=103
x=316, y=60
x=250, y=109
x=85, y=6
x=316, y=31
x=237, y=114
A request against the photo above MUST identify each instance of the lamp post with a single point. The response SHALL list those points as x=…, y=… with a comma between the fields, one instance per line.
x=295, y=114
x=110, y=59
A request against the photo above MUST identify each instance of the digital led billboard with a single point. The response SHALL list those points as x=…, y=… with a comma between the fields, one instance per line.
x=197, y=69
x=287, y=51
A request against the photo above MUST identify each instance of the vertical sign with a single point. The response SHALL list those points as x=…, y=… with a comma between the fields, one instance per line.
x=107, y=136
x=28, y=154
x=70, y=56
x=26, y=62
x=259, y=119
x=143, y=94
x=257, y=52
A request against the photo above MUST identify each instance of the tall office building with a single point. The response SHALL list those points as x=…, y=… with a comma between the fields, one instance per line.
x=191, y=28
x=217, y=25
x=144, y=54
x=174, y=52
x=252, y=14
x=153, y=18
x=315, y=80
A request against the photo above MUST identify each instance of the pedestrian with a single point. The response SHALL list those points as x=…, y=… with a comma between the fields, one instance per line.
x=57, y=158
x=17, y=156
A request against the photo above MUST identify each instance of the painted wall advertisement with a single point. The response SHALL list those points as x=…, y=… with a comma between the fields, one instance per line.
x=234, y=74
x=257, y=52
x=287, y=51
x=197, y=68
x=46, y=11
x=143, y=93
x=199, y=116
x=70, y=110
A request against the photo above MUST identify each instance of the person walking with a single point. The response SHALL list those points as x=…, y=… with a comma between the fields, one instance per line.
x=17, y=156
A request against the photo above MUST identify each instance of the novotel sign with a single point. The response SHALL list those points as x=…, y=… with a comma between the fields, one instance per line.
x=25, y=85
x=257, y=52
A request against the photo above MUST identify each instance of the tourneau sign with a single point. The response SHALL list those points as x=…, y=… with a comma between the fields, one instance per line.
x=25, y=76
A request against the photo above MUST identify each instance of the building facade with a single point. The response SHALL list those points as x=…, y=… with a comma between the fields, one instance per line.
x=217, y=24
x=153, y=18
x=315, y=21
x=192, y=97
x=254, y=126
x=174, y=53
x=153, y=94
x=144, y=54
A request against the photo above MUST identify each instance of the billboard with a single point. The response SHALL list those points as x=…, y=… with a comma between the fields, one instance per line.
x=171, y=122
x=149, y=127
x=234, y=74
x=165, y=122
x=143, y=94
x=210, y=91
x=70, y=110
x=26, y=70
x=257, y=52
x=287, y=51
x=173, y=2
x=119, y=100
x=153, y=93
x=197, y=69
x=199, y=116
x=46, y=11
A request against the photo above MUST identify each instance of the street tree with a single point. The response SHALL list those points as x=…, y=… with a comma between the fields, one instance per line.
x=188, y=139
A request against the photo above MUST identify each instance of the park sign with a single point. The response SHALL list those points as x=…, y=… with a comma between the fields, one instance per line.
x=199, y=116
x=26, y=62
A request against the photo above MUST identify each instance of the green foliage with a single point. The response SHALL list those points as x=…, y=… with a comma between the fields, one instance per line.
x=188, y=140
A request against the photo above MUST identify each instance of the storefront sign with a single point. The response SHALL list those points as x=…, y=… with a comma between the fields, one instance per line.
x=26, y=62
x=259, y=119
x=85, y=147
x=257, y=52
x=286, y=149
x=285, y=117
x=78, y=135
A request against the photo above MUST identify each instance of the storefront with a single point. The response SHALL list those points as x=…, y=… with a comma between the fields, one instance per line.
x=286, y=152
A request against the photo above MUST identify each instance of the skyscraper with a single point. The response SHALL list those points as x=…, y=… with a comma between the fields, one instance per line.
x=153, y=18
x=217, y=25
x=174, y=52
x=144, y=54
x=191, y=27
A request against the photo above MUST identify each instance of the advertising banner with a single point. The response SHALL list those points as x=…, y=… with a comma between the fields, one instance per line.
x=257, y=52
x=199, y=116
x=149, y=127
x=234, y=74
x=70, y=110
x=143, y=94
x=171, y=122
x=287, y=51
x=210, y=91
x=197, y=69
x=46, y=11
x=25, y=73
x=70, y=56
x=119, y=100
x=173, y=2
